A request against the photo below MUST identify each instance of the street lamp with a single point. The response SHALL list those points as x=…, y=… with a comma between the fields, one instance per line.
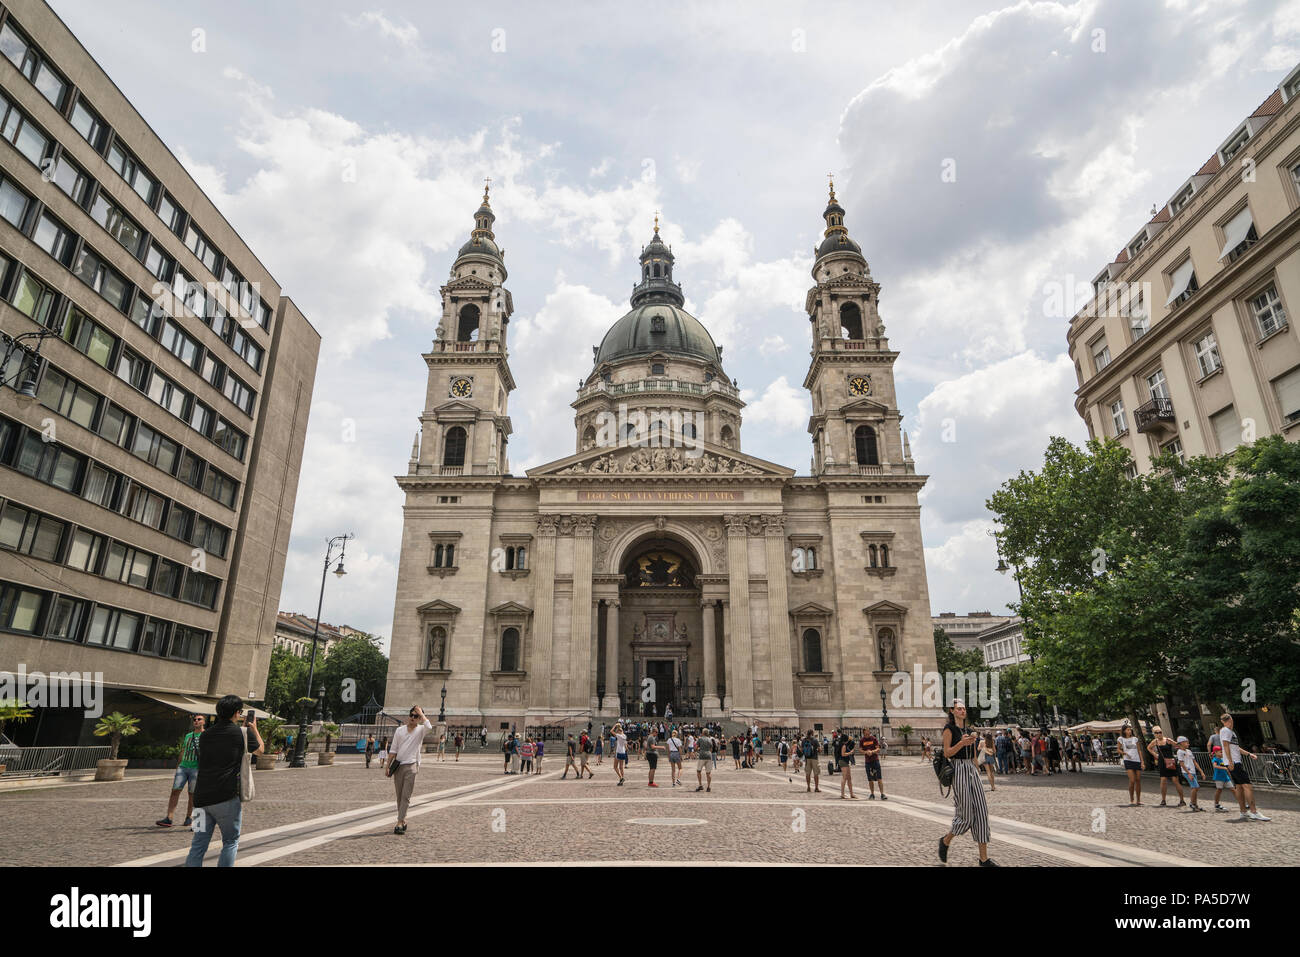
x=884, y=710
x=442, y=708
x=25, y=375
x=300, y=744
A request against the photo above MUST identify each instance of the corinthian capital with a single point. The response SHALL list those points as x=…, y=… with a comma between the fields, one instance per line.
x=546, y=526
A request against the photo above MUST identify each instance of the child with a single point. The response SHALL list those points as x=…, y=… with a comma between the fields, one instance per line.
x=1221, y=777
x=1187, y=765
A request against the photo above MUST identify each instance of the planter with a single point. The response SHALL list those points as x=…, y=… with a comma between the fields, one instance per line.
x=324, y=757
x=110, y=770
x=265, y=762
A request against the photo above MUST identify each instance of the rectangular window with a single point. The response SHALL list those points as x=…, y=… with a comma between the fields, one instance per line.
x=1267, y=310
x=1100, y=355
x=68, y=397
x=247, y=349
x=133, y=369
x=1182, y=283
x=191, y=469
x=189, y=644
x=14, y=204
x=70, y=178
x=31, y=533
x=1207, y=354
x=1236, y=144
x=1227, y=429
x=264, y=316
x=145, y=314
x=1173, y=447
x=200, y=589
x=114, y=629
x=155, y=448
x=22, y=609
x=91, y=269
x=49, y=463
x=170, y=213
x=33, y=65
x=1238, y=235
x=115, y=425
x=209, y=536
x=144, y=506
x=202, y=248
x=219, y=487
x=179, y=522
x=89, y=338
x=1156, y=385
x=212, y=370
x=129, y=168
x=87, y=122
x=153, y=640
x=159, y=264
x=84, y=552
x=167, y=581
x=1287, y=389
x=101, y=486
x=55, y=238
x=33, y=298
x=238, y=393
x=118, y=224
x=66, y=619
x=1117, y=418
x=179, y=344
x=27, y=137
x=229, y=438
x=201, y=418
x=1179, y=202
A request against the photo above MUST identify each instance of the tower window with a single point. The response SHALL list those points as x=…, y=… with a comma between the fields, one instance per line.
x=728, y=437
x=657, y=273
x=453, y=450
x=510, y=649
x=812, y=650
x=851, y=321
x=467, y=330
x=657, y=369
x=656, y=323
x=864, y=444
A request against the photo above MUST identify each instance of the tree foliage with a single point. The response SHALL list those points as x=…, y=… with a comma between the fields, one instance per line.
x=354, y=670
x=948, y=658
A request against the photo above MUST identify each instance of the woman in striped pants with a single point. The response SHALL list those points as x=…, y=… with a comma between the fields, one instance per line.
x=972, y=813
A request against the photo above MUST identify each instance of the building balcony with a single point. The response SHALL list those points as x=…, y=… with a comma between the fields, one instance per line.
x=473, y=345
x=660, y=384
x=1155, y=416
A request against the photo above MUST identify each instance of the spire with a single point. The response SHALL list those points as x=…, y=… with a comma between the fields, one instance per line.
x=836, y=236
x=656, y=283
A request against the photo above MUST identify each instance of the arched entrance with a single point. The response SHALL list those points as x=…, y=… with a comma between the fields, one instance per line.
x=660, y=647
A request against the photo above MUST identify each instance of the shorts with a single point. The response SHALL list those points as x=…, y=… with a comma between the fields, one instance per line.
x=704, y=766
x=873, y=770
x=1221, y=779
x=1238, y=774
x=783, y=758
x=674, y=757
x=184, y=777
x=812, y=767
x=1132, y=765
x=652, y=759
x=1189, y=779
x=621, y=756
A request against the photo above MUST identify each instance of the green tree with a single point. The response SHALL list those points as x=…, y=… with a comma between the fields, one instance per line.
x=355, y=668
x=949, y=659
x=116, y=726
x=13, y=711
x=1240, y=566
x=286, y=682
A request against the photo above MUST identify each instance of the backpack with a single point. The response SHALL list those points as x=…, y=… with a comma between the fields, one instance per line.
x=586, y=745
x=809, y=748
x=944, y=771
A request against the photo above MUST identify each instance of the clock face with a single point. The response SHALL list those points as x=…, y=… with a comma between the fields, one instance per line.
x=859, y=385
x=462, y=388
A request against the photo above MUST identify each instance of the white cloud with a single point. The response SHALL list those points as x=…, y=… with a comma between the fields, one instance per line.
x=782, y=406
x=404, y=33
x=773, y=345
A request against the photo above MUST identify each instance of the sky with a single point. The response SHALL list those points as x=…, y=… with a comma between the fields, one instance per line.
x=985, y=155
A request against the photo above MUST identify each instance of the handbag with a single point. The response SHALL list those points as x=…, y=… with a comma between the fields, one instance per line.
x=1170, y=764
x=393, y=766
x=246, y=789
x=944, y=771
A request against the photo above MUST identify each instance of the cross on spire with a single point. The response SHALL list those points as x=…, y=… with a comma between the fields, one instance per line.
x=831, y=179
x=656, y=222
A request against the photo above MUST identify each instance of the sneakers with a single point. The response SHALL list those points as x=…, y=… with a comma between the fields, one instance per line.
x=1220, y=807
x=989, y=862
x=700, y=788
x=873, y=796
x=943, y=851
x=189, y=820
x=652, y=785
x=1256, y=816
x=165, y=822
x=884, y=797
x=620, y=782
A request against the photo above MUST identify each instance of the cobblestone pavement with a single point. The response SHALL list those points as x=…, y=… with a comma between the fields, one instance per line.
x=469, y=812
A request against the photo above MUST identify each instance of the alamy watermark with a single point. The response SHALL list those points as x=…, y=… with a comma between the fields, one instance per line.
x=933, y=689
x=57, y=689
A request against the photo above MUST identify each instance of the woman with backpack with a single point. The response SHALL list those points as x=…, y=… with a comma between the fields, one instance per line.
x=971, y=812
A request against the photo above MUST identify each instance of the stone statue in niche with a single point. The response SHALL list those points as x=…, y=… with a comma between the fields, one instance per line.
x=636, y=632
x=888, y=656
x=681, y=632
x=437, y=648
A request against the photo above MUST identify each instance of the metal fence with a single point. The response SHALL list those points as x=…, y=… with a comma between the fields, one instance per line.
x=41, y=762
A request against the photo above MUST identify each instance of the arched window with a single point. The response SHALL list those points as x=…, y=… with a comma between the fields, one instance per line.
x=510, y=558
x=510, y=649
x=589, y=438
x=851, y=321
x=884, y=556
x=871, y=549
x=728, y=437
x=864, y=443
x=688, y=430
x=812, y=650
x=659, y=433
x=437, y=556
x=453, y=449
x=657, y=274
x=467, y=328
x=629, y=432
x=810, y=558
x=520, y=556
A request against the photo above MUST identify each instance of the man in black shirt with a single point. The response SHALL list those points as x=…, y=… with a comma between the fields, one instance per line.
x=216, y=796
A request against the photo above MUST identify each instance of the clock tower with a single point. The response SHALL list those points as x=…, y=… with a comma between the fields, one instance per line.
x=855, y=422
x=465, y=427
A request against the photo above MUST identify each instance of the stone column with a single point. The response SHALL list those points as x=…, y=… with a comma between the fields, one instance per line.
x=593, y=703
x=709, y=702
x=728, y=654
x=610, y=704
x=778, y=614
x=580, y=638
x=543, y=575
x=742, y=668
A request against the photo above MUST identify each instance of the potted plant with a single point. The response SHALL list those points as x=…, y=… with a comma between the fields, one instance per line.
x=116, y=726
x=15, y=711
x=329, y=731
x=272, y=731
x=905, y=730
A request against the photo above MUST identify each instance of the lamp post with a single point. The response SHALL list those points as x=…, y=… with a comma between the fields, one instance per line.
x=442, y=708
x=300, y=743
x=884, y=710
x=25, y=375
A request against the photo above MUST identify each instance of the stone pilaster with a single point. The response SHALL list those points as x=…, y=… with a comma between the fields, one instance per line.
x=778, y=614
x=610, y=704
x=742, y=668
x=543, y=613
x=728, y=655
x=580, y=635
x=709, y=702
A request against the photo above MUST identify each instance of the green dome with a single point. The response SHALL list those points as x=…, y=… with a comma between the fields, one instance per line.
x=635, y=335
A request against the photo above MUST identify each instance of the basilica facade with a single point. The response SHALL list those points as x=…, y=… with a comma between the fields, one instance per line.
x=660, y=565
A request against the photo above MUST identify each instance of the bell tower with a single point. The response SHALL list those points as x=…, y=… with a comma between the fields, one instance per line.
x=855, y=422
x=465, y=427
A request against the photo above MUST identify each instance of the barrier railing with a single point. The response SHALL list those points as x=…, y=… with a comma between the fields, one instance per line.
x=39, y=762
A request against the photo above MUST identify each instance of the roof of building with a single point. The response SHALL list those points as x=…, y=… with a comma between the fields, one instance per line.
x=636, y=335
x=305, y=625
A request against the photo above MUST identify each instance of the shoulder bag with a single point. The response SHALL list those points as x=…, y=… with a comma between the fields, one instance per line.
x=246, y=788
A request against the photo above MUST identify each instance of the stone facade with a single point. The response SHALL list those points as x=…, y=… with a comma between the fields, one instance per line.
x=660, y=564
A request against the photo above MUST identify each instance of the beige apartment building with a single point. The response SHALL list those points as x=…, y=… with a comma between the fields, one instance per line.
x=1187, y=346
x=657, y=564
x=149, y=460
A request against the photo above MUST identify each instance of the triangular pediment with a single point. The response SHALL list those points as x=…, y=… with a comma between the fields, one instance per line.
x=812, y=608
x=438, y=605
x=865, y=404
x=702, y=461
x=885, y=607
x=455, y=409
x=510, y=608
x=468, y=284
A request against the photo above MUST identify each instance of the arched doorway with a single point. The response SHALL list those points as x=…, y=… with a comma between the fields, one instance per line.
x=660, y=628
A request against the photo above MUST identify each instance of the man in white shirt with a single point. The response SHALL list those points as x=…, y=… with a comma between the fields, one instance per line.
x=404, y=761
x=1232, y=752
